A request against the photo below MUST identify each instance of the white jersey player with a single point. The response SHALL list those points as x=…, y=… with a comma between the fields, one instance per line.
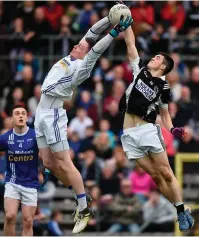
x=51, y=119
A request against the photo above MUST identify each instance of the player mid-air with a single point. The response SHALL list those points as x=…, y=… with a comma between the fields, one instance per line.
x=51, y=119
x=142, y=139
x=21, y=182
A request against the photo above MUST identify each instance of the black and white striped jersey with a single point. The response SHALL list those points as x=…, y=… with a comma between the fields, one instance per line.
x=145, y=93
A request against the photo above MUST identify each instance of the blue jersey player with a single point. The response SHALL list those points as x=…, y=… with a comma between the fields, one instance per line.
x=22, y=183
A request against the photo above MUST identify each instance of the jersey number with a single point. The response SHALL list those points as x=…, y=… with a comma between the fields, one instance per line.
x=20, y=145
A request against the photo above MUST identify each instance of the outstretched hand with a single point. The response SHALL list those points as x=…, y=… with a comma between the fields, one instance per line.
x=121, y=26
x=178, y=132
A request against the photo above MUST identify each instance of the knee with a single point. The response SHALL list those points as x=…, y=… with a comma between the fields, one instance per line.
x=48, y=165
x=66, y=166
x=156, y=178
x=27, y=222
x=10, y=217
x=166, y=173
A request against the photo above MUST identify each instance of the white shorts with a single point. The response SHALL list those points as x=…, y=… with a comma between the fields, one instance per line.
x=51, y=123
x=139, y=141
x=27, y=196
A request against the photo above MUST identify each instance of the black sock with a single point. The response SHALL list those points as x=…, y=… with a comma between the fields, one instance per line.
x=180, y=208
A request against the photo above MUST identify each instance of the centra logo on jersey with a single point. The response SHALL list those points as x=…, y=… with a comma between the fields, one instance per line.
x=11, y=142
x=12, y=158
x=145, y=90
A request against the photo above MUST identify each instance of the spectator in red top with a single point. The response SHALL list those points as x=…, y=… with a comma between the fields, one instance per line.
x=118, y=89
x=53, y=12
x=174, y=13
x=143, y=15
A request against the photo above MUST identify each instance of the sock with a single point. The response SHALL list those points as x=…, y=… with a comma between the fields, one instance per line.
x=179, y=206
x=81, y=198
x=73, y=192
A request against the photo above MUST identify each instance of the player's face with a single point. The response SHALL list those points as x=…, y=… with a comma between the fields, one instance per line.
x=19, y=117
x=157, y=63
x=80, y=50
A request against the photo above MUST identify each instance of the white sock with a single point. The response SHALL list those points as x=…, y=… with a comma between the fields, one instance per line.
x=82, y=201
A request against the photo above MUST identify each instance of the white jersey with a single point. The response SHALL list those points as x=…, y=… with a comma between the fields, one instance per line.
x=67, y=74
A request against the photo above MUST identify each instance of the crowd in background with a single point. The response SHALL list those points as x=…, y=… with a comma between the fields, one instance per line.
x=95, y=125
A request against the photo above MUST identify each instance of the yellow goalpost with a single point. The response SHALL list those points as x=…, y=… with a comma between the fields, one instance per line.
x=180, y=159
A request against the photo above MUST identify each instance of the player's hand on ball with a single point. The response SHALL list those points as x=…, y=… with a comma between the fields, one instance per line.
x=178, y=132
x=121, y=26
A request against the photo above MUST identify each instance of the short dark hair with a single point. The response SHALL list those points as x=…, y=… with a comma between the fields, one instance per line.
x=168, y=61
x=16, y=107
x=90, y=42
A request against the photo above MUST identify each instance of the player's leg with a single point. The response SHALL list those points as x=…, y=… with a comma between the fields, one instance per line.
x=12, y=200
x=28, y=213
x=161, y=162
x=50, y=164
x=11, y=207
x=28, y=208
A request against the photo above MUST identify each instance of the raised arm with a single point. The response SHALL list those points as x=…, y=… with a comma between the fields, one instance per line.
x=130, y=43
x=97, y=29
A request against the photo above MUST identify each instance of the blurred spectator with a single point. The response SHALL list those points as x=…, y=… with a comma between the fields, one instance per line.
x=17, y=42
x=159, y=213
x=27, y=83
x=127, y=71
x=91, y=166
x=74, y=142
x=17, y=98
x=188, y=143
x=53, y=12
x=143, y=15
x=87, y=141
x=158, y=40
x=193, y=17
x=84, y=18
x=185, y=108
x=193, y=84
x=114, y=117
x=38, y=226
x=26, y=12
x=53, y=225
x=102, y=145
x=109, y=181
x=126, y=210
x=174, y=82
x=87, y=102
x=95, y=205
x=28, y=60
x=34, y=100
x=40, y=27
x=141, y=183
x=7, y=125
x=173, y=14
x=119, y=162
x=102, y=73
x=63, y=43
x=118, y=90
x=104, y=126
x=4, y=77
x=180, y=67
x=72, y=11
x=45, y=195
x=80, y=122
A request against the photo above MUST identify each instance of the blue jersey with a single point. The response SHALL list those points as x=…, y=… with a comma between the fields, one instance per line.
x=21, y=157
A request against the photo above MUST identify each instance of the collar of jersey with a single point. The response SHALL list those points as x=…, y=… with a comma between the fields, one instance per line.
x=72, y=59
x=163, y=78
x=21, y=134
